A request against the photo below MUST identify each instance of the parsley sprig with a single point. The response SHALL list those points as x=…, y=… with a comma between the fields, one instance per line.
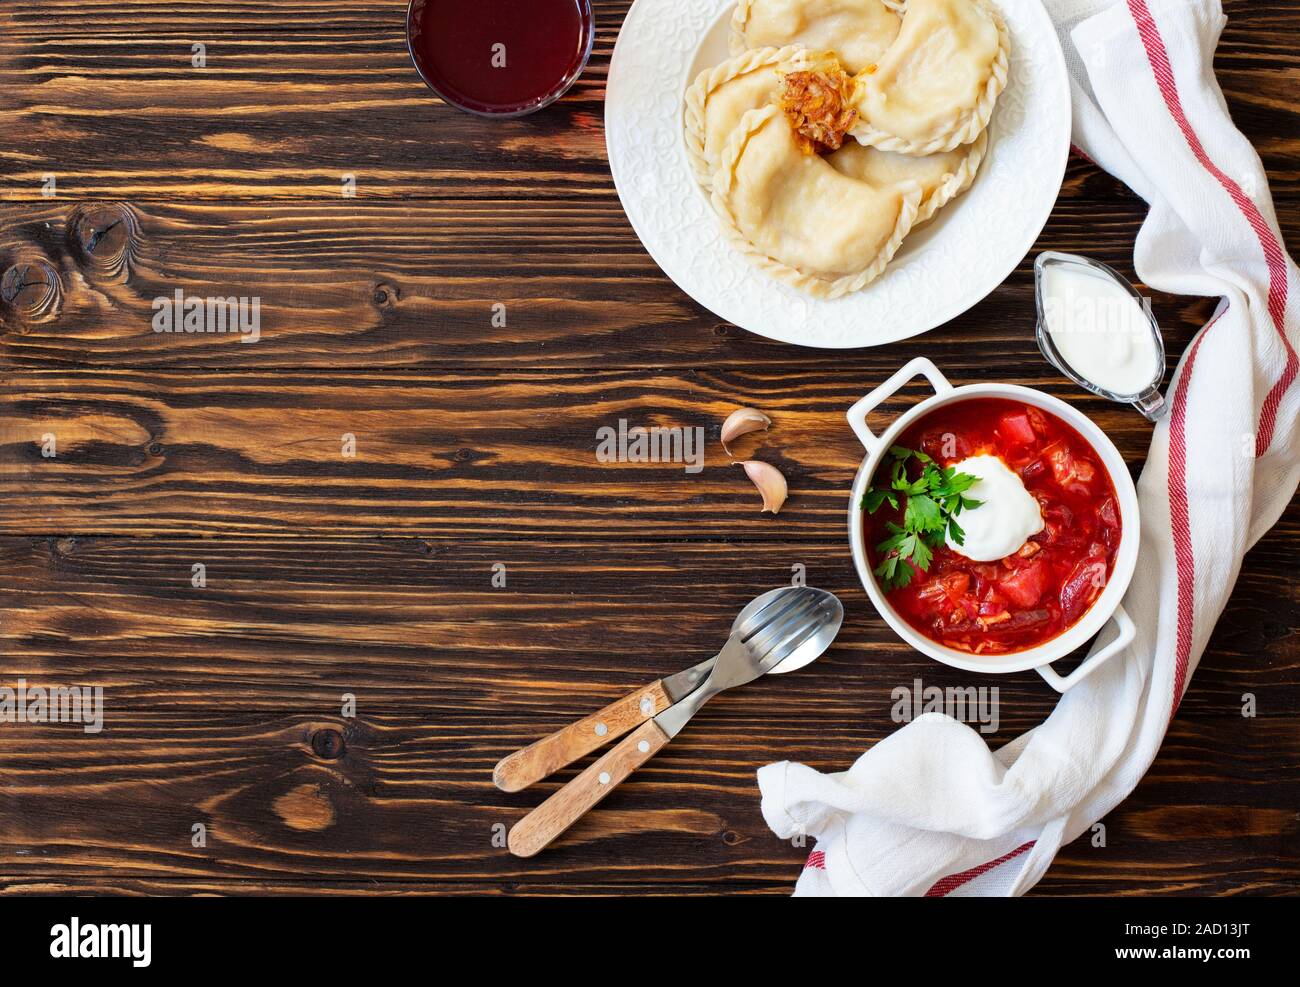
x=932, y=502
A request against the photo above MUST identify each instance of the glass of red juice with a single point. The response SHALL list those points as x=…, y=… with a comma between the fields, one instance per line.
x=500, y=58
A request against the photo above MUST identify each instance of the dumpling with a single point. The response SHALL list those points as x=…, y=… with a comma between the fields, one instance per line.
x=942, y=176
x=936, y=86
x=720, y=96
x=858, y=31
x=801, y=220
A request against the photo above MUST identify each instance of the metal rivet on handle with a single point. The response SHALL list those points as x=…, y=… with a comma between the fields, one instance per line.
x=644, y=747
x=647, y=705
x=601, y=729
x=604, y=778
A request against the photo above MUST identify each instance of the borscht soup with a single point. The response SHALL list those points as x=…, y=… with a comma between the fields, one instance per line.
x=991, y=525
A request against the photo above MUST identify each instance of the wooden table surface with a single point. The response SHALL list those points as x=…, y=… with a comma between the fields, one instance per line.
x=371, y=576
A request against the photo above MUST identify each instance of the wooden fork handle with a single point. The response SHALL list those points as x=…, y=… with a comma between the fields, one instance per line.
x=534, y=762
x=537, y=829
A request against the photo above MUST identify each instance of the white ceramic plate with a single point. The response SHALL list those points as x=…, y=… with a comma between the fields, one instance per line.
x=939, y=272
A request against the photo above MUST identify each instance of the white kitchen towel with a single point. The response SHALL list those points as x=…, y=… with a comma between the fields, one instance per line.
x=931, y=809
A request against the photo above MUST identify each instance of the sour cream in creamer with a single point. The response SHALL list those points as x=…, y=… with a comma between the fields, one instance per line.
x=1099, y=328
x=1008, y=515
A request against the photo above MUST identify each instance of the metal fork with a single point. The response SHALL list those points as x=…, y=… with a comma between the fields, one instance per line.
x=801, y=618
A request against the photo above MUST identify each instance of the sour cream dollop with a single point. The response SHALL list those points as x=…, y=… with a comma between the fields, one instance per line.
x=1008, y=515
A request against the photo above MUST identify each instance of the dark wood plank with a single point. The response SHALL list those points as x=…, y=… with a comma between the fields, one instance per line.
x=410, y=800
x=295, y=95
x=137, y=886
x=466, y=454
x=407, y=624
x=374, y=284
x=292, y=99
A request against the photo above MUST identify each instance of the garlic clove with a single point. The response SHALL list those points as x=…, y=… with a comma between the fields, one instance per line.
x=771, y=484
x=741, y=422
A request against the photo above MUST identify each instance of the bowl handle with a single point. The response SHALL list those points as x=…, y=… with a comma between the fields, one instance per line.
x=857, y=415
x=1127, y=631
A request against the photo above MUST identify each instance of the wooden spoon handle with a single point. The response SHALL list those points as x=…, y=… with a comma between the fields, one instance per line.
x=570, y=803
x=519, y=770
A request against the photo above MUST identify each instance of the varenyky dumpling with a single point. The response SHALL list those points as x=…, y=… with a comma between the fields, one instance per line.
x=720, y=96
x=857, y=31
x=768, y=131
x=936, y=85
x=800, y=219
x=942, y=176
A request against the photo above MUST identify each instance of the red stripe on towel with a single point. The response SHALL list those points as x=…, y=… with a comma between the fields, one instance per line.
x=949, y=884
x=1274, y=255
x=1180, y=520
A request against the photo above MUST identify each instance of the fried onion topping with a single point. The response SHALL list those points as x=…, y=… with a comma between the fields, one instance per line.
x=818, y=103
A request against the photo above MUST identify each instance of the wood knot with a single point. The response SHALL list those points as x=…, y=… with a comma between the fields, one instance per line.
x=104, y=237
x=305, y=808
x=31, y=292
x=328, y=744
x=386, y=295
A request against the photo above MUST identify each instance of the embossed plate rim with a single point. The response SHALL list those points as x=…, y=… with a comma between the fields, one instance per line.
x=943, y=270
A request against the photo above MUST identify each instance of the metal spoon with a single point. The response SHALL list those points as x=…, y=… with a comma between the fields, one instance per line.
x=683, y=682
x=524, y=767
x=794, y=623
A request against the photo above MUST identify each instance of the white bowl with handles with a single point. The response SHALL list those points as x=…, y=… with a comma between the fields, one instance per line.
x=1105, y=609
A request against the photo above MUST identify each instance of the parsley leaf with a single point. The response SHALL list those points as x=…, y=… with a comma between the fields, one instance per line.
x=922, y=513
x=921, y=553
x=872, y=500
x=956, y=532
x=933, y=501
